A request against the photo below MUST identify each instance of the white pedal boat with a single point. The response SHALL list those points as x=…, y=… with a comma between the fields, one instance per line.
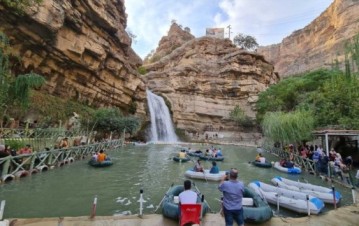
x=293, y=200
x=205, y=175
x=293, y=170
x=323, y=193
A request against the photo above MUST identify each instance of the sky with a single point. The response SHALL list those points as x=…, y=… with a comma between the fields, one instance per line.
x=269, y=21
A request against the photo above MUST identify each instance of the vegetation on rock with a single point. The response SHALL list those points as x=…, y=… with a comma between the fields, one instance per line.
x=14, y=89
x=239, y=116
x=291, y=109
x=245, y=41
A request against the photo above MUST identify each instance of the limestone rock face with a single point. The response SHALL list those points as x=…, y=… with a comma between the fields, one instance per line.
x=205, y=78
x=317, y=45
x=81, y=48
x=175, y=38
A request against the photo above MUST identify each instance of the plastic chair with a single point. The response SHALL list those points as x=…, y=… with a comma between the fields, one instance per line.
x=190, y=214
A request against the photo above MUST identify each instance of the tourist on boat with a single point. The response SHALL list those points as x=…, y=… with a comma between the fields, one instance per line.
x=187, y=196
x=198, y=167
x=219, y=152
x=261, y=158
x=102, y=156
x=257, y=157
x=182, y=154
x=232, y=198
x=214, y=169
x=95, y=155
x=214, y=153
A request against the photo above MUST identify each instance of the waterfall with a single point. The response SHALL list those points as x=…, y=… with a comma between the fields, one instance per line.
x=161, y=122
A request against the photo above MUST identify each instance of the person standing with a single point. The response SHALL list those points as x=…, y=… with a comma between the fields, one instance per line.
x=232, y=190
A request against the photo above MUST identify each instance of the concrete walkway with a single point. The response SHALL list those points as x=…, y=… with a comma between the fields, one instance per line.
x=343, y=216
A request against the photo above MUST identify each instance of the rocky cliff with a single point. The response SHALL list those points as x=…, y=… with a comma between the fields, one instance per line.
x=317, y=45
x=205, y=78
x=82, y=49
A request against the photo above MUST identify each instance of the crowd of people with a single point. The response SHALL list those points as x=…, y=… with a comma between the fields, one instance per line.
x=341, y=167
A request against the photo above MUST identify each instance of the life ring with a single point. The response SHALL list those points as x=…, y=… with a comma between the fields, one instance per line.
x=42, y=168
x=21, y=173
x=59, y=164
x=71, y=160
x=7, y=178
x=66, y=161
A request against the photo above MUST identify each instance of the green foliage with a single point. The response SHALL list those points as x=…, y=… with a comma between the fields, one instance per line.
x=289, y=127
x=19, y=5
x=352, y=49
x=23, y=84
x=336, y=103
x=291, y=93
x=142, y=70
x=15, y=144
x=238, y=115
x=112, y=120
x=245, y=41
x=5, y=76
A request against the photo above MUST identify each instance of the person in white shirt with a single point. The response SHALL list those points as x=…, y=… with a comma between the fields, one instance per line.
x=261, y=158
x=94, y=156
x=188, y=196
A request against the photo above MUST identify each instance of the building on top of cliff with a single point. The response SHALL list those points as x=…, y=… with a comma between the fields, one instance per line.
x=215, y=32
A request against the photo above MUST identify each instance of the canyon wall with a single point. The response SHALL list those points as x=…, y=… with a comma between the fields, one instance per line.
x=81, y=48
x=319, y=44
x=205, y=78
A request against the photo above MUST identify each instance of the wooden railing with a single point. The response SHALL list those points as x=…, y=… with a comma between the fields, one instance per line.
x=23, y=165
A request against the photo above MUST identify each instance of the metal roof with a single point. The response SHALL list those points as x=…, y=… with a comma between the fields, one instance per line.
x=332, y=132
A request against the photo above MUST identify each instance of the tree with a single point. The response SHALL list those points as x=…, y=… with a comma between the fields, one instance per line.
x=245, y=41
x=108, y=120
x=240, y=117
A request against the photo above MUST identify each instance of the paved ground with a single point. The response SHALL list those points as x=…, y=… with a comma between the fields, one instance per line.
x=343, y=216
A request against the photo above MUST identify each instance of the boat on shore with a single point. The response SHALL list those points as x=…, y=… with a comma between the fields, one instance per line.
x=289, y=199
x=259, y=211
x=205, y=175
x=323, y=193
x=170, y=208
x=292, y=170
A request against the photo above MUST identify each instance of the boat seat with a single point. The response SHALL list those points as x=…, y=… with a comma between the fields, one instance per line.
x=190, y=214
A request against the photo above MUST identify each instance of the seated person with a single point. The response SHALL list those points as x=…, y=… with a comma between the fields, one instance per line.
x=182, y=154
x=102, y=156
x=288, y=164
x=261, y=158
x=214, y=169
x=219, y=153
x=188, y=196
x=198, y=167
x=257, y=157
x=25, y=150
x=214, y=153
x=95, y=155
x=282, y=162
